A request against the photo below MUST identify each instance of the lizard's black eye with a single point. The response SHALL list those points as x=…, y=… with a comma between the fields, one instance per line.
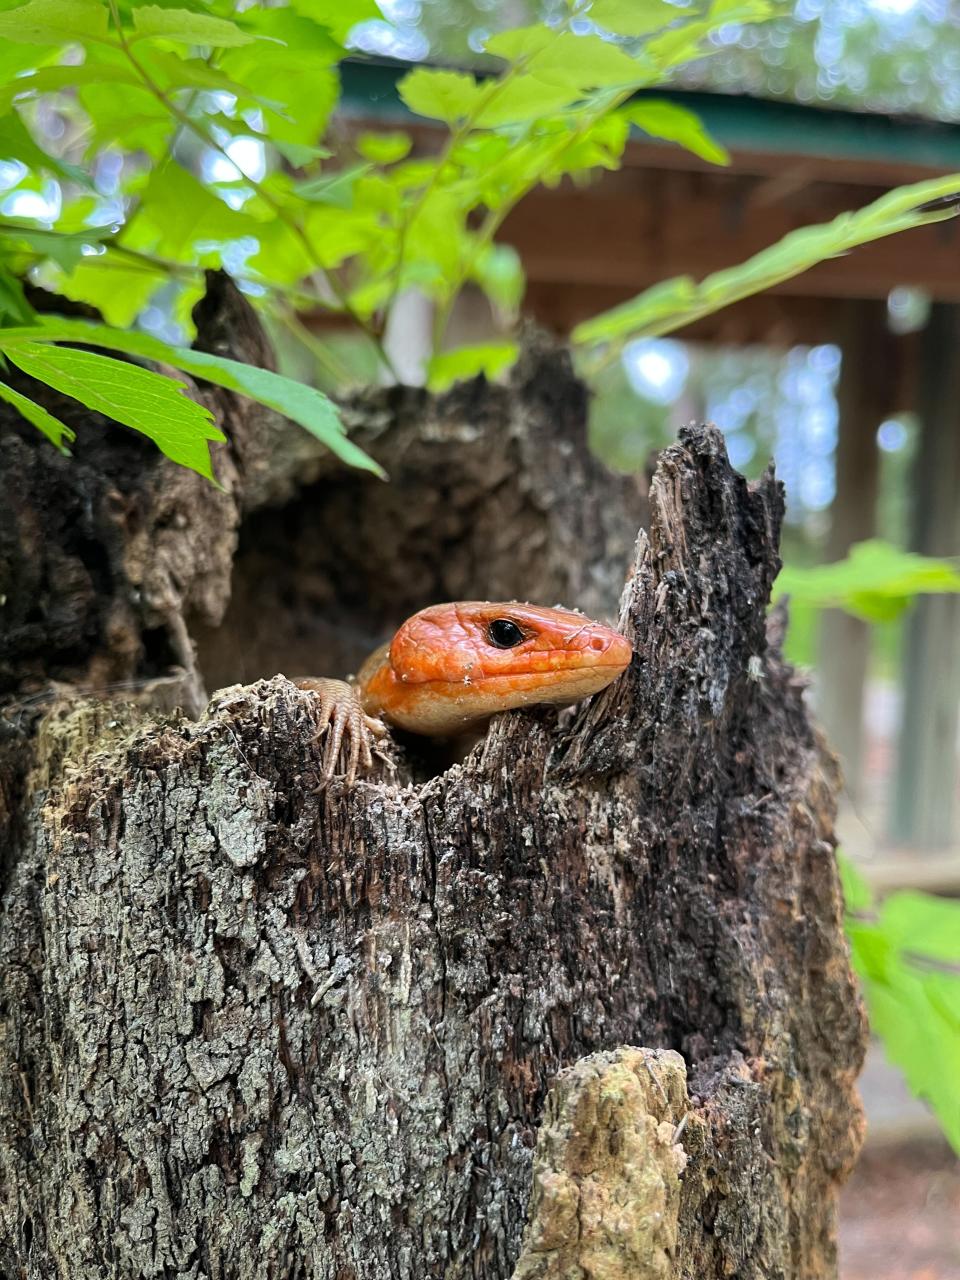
x=504, y=634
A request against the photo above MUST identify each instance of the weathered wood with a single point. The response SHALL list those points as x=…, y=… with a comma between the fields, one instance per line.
x=105, y=554
x=606, y=1189
x=253, y=1031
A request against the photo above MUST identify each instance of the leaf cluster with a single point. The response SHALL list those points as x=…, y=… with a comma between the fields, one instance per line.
x=682, y=300
x=142, y=143
x=906, y=952
x=164, y=140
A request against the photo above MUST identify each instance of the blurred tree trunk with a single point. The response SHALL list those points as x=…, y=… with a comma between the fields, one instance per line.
x=248, y=1030
x=869, y=377
x=924, y=807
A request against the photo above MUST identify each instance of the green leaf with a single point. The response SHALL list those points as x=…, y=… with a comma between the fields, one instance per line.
x=724, y=12
x=293, y=68
x=670, y=121
x=61, y=78
x=370, y=295
x=520, y=42
x=186, y=27
x=333, y=188
x=127, y=116
x=338, y=16
x=13, y=305
x=299, y=154
x=525, y=97
x=652, y=312
x=489, y=358
x=436, y=235
x=499, y=272
x=384, y=148
x=173, y=71
x=305, y=405
x=633, y=17
x=296, y=34
x=282, y=259
x=177, y=212
x=680, y=44
x=566, y=60
x=55, y=22
x=857, y=895
x=555, y=70
x=57, y=432
x=337, y=234
x=905, y=1013
x=118, y=287
x=923, y=925
x=475, y=154
x=876, y=581
x=17, y=60
x=148, y=402
x=376, y=193
x=907, y=956
x=66, y=248
x=440, y=95
x=601, y=145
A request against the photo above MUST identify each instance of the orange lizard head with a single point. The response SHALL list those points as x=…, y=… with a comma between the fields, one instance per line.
x=453, y=665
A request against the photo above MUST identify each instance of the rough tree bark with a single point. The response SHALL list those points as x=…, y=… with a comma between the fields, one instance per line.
x=248, y=1030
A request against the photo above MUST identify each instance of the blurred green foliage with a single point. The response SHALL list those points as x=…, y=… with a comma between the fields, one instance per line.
x=906, y=951
x=876, y=581
x=143, y=144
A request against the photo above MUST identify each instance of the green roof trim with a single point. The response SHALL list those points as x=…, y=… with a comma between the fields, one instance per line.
x=738, y=123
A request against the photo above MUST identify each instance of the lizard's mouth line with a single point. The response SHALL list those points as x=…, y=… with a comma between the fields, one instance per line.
x=538, y=669
x=590, y=677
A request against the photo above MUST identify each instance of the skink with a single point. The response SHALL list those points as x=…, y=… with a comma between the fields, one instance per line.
x=451, y=667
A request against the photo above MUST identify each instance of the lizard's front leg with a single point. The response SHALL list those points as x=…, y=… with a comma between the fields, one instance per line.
x=349, y=733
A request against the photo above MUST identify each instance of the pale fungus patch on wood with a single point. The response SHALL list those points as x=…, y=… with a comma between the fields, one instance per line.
x=605, y=1199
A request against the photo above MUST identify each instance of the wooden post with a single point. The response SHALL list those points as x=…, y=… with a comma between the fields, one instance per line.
x=866, y=395
x=927, y=757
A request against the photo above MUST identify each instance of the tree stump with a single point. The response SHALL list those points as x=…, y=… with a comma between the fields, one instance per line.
x=255, y=1031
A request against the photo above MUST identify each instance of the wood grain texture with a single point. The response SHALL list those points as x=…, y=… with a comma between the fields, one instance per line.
x=104, y=554
x=250, y=1031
